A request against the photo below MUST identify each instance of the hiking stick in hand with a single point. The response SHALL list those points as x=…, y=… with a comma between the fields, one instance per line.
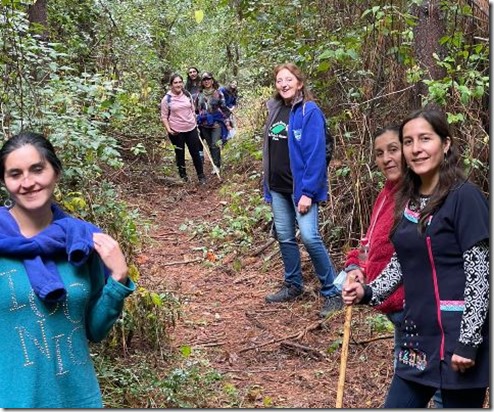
x=344, y=350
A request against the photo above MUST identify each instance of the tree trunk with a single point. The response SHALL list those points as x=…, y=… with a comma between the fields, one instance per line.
x=37, y=14
x=429, y=30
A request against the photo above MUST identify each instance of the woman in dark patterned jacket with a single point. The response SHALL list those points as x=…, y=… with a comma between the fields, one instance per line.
x=441, y=240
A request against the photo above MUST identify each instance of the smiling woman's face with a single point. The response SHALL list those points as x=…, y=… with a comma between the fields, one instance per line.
x=193, y=74
x=30, y=179
x=287, y=85
x=387, y=151
x=423, y=148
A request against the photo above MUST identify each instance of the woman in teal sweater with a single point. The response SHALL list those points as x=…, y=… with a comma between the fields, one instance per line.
x=62, y=283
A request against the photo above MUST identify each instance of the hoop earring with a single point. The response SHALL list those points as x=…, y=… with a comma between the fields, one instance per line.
x=9, y=203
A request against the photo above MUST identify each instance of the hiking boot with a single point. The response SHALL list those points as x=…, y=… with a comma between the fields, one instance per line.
x=285, y=294
x=184, y=179
x=202, y=180
x=331, y=304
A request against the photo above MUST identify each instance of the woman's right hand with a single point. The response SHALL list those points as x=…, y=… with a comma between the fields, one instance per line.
x=352, y=292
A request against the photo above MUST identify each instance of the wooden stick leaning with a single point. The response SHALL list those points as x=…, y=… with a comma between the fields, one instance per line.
x=205, y=147
x=344, y=351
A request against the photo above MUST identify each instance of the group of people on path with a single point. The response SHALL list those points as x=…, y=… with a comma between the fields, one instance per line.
x=199, y=110
x=64, y=282
x=427, y=266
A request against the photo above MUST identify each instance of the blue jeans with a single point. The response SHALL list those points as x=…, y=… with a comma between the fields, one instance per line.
x=286, y=217
x=407, y=394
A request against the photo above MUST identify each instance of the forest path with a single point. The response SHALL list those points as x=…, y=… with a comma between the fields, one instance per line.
x=272, y=355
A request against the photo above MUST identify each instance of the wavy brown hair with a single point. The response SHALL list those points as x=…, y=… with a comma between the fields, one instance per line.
x=450, y=174
x=297, y=72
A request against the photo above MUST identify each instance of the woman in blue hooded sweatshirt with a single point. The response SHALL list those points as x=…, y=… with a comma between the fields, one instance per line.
x=296, y=181
x=62, y=283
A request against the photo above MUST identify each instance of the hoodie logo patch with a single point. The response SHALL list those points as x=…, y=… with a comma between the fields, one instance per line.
x=297, y=134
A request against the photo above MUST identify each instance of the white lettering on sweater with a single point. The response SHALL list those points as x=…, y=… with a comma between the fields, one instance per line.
x=58, y=347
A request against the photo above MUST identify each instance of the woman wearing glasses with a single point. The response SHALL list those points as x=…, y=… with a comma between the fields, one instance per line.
x=212, y=115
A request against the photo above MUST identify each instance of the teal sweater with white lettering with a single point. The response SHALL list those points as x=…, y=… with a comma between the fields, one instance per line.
x=44, y=351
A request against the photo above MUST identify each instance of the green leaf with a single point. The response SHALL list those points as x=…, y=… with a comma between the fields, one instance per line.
x=186, y=351
x=199, y=16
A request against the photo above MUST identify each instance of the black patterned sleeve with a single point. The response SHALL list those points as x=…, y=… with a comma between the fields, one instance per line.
x=387, y=282
x=476, y=266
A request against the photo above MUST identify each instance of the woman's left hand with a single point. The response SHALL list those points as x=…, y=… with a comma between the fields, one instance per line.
x=461, y=364
x=304, y=204
x=110, y=253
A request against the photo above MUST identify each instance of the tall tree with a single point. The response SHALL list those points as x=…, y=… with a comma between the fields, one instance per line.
x=37, y=14
x=427, y=33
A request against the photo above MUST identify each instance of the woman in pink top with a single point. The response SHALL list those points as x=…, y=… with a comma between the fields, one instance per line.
x=179, y=118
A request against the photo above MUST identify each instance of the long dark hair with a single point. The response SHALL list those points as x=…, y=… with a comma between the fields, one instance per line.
x=449, y=172
x=40, y=143
x=297, y=72
x=192, y=83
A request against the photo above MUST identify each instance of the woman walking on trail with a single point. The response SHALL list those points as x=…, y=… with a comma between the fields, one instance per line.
x=193, y=83
x=231, y=94
x=212, y=116
x=441, y=241
x=179, y=118
x=295, y=182
x=388, y=158
x=62, y=282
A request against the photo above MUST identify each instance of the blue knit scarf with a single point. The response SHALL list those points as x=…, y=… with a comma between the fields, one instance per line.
x=66, y=236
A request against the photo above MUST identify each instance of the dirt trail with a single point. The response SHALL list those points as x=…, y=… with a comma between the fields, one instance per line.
x=276, y=355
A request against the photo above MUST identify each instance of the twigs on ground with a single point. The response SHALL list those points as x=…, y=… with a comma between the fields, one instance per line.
x=363, y=342
x=262, y=248
x=295, y=336
x=314, y=353
x=182, y=262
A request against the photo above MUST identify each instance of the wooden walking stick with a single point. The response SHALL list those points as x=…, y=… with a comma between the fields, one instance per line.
x=344, y=350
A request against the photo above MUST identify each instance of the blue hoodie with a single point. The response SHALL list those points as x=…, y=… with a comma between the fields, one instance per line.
x=307, y=148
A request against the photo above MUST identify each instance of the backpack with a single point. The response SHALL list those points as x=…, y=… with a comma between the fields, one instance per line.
x=329, y=139
x=169, y=100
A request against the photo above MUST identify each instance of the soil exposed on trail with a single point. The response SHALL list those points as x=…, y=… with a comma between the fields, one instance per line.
x=275, y=355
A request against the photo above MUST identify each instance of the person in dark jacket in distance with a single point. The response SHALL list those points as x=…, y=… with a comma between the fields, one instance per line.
x=295, y=182
x=441, y=240
x=212, y=116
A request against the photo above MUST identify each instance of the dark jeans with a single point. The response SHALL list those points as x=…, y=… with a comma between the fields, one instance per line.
x=406, y=394
x=191, y=139
x=212, y=135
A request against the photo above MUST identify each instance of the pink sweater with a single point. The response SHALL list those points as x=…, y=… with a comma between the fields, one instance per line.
x=380, y=247
x=182, y=112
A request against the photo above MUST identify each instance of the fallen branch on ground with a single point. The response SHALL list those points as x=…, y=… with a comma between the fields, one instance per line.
x=183, y=262
x=295, y=336
x=302, y=348
x=363, y=342
x=262, y=248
